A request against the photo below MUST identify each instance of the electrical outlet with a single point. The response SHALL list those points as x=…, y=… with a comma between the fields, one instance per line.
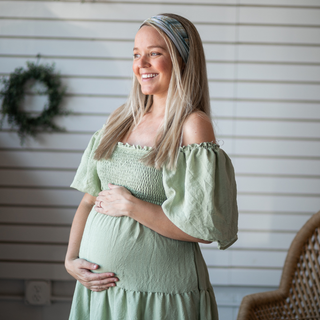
x=38, y=292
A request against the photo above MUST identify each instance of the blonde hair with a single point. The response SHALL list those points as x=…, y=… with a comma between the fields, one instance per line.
x=188, y=92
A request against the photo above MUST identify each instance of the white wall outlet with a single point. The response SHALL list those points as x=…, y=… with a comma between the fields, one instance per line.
x=38, y=292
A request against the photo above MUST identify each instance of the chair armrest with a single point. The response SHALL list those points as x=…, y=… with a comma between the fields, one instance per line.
x=250, y=302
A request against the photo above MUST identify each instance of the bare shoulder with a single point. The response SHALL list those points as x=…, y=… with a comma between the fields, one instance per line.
x=197, y=128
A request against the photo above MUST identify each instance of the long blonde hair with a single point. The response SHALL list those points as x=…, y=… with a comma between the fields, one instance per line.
x=188, y=92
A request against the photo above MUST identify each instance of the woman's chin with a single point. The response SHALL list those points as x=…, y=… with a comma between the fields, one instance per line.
x=147, y=92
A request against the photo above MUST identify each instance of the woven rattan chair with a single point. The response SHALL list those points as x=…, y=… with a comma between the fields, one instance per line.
x=298, y=296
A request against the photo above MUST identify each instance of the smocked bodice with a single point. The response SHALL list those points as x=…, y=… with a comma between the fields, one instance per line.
x=125, y=169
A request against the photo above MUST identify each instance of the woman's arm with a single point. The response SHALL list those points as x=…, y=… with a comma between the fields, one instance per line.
x=80, y=269
x=119, y=202
x=78, y=225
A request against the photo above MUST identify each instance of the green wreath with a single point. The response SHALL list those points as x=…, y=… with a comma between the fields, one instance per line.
x=13, y=94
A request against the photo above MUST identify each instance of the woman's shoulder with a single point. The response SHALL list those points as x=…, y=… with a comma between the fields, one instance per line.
x=197, y=128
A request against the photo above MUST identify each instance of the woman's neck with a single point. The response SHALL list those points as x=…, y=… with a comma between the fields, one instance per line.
x=158, y=107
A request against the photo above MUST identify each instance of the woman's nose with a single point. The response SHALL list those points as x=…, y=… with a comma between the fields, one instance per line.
x=144, y=62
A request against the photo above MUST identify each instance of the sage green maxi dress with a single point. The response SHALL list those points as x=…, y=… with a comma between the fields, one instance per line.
x=159, y=278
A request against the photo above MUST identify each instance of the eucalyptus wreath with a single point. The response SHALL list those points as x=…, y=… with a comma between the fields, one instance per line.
x=13, y=93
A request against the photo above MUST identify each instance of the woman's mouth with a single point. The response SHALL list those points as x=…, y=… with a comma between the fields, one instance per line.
x=148, y=75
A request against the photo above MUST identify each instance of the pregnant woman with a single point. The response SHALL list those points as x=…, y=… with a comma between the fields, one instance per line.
x=156, y=184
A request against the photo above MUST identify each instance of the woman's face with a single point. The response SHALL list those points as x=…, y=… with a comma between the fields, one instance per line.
x=151, y=62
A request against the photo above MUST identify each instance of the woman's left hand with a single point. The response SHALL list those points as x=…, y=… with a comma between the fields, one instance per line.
x=116, y=202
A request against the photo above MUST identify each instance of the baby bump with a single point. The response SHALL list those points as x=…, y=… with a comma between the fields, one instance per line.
x=142, y=259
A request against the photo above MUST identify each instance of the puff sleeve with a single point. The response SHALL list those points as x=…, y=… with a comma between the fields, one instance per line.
x=86, y=178
x=201, y=194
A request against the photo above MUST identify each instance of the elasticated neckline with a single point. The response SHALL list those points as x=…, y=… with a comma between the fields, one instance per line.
x=189, y=147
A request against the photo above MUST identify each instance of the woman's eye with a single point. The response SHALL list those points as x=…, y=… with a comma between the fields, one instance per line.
x=154, y=53
x=135, y=56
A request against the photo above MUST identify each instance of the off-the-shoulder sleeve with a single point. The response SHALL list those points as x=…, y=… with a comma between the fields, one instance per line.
x=86, y=178
x=201, y=194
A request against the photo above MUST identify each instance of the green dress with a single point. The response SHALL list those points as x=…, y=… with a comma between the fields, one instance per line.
x=159, y=278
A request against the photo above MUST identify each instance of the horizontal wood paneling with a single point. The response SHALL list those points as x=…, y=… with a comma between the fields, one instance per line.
x=281, y=35
x=278, y=54
x=283, y=16
x=39, y=159
x=245, y=277
x=16, y=270
x=241, y=258
x=33, y=252
x=294, y=167
x=76, y=104
x=98, y=86
x=104, y=68
x=54, y=141
x=258, y=240
x=267, y=72
x=276, y=3
x=30, y=178
x=263, y=3
x=271, y=147
x=40, y=197
x=81, y=123
x=278, y=185
x=279, y=202
x=34, y=215
x=273, y=222
x=279, y=91
x=114, y=11
x=274, y=110
x=39, y=234
x=274, y=129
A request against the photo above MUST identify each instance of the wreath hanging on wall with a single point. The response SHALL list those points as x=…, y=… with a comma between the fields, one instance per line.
x=13, y=94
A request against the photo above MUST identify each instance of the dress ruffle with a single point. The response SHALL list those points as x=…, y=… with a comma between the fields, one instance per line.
x=121, y=304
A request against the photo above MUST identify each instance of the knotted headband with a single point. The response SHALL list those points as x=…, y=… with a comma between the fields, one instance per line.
x=174, y=30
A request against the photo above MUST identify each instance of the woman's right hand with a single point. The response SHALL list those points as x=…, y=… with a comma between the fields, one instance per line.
x=80, y=269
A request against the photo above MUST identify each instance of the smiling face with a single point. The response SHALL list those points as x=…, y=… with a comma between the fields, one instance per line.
x=151, y=62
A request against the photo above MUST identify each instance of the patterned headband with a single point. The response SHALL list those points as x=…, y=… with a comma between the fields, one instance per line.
x=174, y=30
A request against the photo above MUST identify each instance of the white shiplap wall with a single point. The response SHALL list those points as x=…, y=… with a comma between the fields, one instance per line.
x=263, y=60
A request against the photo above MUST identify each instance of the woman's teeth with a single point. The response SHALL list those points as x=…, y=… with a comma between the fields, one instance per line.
x=149, y=75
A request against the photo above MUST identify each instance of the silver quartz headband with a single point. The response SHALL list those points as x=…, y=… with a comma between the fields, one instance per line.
x=175, y=31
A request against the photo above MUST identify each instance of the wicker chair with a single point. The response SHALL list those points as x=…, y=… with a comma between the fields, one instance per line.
x=298, y=296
